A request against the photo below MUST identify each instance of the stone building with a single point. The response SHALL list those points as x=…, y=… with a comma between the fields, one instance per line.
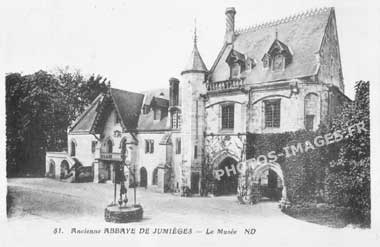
x=274, y=77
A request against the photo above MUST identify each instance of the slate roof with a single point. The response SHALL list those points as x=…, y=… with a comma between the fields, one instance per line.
x=158, y=97
x=158, y=92
x=128, y=104
x=160, y=102
x=303, y=35
x=195, y=62
x=86, y=120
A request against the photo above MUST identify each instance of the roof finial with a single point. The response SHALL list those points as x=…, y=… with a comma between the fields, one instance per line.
x=276, y=33
x=195, y=32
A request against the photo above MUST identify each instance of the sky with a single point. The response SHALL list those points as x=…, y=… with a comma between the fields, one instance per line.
x=139, y=45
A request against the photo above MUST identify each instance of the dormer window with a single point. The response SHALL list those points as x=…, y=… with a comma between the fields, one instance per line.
x=145, y=109
x=278, y=62
x=266, y=60
x=239, y=63
x=278, y=57
x=235, y=70
x=157, y=114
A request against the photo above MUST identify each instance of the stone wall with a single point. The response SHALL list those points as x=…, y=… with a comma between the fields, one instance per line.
x=292, y=111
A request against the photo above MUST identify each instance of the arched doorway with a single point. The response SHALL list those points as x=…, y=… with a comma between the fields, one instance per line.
x=155, y=176
x=228, y=183
x=143, y=177
x=51, y=171
x=65, y=167
x=270, y=185
x=269, y=180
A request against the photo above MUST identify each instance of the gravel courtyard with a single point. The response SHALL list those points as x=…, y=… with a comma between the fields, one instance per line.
x=36, y=202
x=50, y=199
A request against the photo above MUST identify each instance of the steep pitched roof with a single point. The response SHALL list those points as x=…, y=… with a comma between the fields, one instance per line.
x=303, y=34
x=195, y=62
x=86, y=120
x=128, y=105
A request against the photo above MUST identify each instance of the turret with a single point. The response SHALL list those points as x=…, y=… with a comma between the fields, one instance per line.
x=193, y=114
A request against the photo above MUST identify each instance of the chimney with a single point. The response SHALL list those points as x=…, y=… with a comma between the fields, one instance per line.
x=174, y=92
x=230, y=25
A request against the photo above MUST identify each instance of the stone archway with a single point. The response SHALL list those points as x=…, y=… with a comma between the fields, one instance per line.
x=259, y=169
x=226, y=184
x=51, y=171
x=65, y=168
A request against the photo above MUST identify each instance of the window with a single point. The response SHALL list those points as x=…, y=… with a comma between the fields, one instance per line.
x=176, y=120
x=309, y=122
x=272, y=113
x=109, y=146
x=149, y=146
x=73, y=147
x=266, y=60
x=228, y=116
x=195, y=151
x=311, y=110
x=178, y=145
x=278, y=62
x=155, y=176
x=145, y=109
x=157, y=114
x=93, y=146
x=235, y=70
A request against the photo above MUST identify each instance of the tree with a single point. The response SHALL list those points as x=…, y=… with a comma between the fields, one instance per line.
x=40, y=107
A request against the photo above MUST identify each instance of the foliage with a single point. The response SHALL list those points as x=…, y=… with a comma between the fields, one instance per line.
x=40, y=108
x=349, y=175
x=338, y=173
x=304, y=172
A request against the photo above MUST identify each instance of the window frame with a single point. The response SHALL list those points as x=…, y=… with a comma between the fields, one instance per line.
x=175, y=119
x=93, y=146
x=227, y=121
x=275, y=117
x=149, y=146
x=275, y=57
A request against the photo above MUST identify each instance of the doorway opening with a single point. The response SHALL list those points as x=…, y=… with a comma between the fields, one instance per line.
x=143, y=177
x=228, y=183
x=270, y=185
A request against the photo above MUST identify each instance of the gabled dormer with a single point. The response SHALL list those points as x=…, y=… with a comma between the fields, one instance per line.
x=278, y=57
x=239, y=63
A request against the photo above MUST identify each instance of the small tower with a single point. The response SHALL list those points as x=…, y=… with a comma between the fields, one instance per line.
x=193, y=117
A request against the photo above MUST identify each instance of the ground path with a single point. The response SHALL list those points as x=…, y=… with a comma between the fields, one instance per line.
x=38, y=201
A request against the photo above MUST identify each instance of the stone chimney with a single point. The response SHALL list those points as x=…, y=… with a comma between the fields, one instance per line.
x=174, y=92
x=230, y=25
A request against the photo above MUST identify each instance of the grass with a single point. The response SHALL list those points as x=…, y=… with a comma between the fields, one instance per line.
x=335, y=217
